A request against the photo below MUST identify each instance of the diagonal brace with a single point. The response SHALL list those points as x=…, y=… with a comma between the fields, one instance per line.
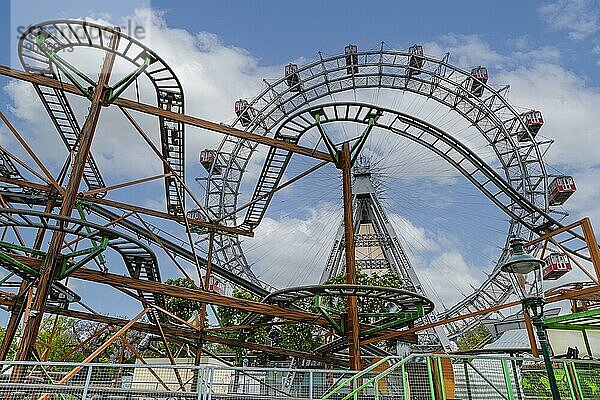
x=67, y=268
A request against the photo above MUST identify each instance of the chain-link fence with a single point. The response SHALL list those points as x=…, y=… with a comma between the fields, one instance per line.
x=67, y=381
x=417, y=377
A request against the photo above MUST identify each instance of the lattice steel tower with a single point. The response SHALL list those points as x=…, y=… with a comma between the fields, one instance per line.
x=377, y=247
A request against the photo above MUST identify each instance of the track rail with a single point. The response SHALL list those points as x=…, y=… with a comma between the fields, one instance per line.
x=66, y=35
x=139, y=259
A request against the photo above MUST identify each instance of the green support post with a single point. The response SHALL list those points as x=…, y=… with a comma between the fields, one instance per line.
x=507, y=381
x=101, y=262
x=568, y=375
x=405, y=387
x=441, y=376
x=19, y=265
x=430, y=378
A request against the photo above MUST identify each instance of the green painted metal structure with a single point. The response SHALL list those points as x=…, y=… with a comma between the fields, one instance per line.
x=445, y=377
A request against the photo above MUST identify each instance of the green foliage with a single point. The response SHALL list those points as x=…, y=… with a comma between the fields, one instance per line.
x=59, y=336
x=473, y=338
x=302, y=336
x=365, y=305
x=65, y=338
x=535, y=382
x=14, y=346
x=231, y=317
x=183, y=308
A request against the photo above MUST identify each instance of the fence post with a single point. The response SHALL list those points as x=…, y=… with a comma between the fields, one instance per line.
x=518, y=382
x=507, y=382
x=576, y=376
x=88, y=379
x=572, y=390
x=310, y=385
x=430, y=377
x=200, y=382
x=439, y=382
x=405, y=385
x=209, y=381
x=467, y=383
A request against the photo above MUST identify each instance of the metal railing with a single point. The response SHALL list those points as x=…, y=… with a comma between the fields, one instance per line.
x=417, y=377
x=444, y=377
x=72, y=381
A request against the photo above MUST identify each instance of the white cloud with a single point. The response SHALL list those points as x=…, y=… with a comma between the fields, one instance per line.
x=579, y=17
x=451, y=277
x=291, y=250
x=212, y=74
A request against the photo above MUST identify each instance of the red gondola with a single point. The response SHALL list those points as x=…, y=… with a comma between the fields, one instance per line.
x=207, y=159
x=292, y=78
x=557, y=265
x=561, y=188
x=479, y=77
x=533, y=120
x=213, y=285
x=242, y=110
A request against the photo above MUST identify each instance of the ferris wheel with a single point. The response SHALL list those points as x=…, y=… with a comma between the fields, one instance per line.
x=506, y=165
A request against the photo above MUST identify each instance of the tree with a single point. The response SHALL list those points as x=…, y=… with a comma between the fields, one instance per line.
x=232, y=317
x=183, y=308
x=365, y=305
x=471, y=339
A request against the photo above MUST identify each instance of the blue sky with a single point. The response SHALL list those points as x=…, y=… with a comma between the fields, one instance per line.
x=548, y=52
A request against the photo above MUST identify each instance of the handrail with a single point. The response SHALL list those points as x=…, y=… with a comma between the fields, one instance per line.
x=357, y=376
x=383, y=374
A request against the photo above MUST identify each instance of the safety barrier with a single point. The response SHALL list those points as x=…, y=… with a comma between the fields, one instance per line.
x=417, y=377
x=444, y=377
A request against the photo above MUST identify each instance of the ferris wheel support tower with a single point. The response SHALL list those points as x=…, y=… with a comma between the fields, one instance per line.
x=377, y=247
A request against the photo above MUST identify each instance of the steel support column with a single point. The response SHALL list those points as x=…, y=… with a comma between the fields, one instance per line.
x=52, y=262
x=352, y=302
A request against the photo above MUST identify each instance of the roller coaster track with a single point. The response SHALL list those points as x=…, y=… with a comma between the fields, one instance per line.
x=65, y=35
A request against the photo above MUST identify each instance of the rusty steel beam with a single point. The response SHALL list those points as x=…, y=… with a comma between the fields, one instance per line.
x=119, y=281
x=142, y=210
x=178, y=333
x=352, y=324
x=551, y=297
x=590, y=238
x=186, y=119
x=53, y=259
x=160, y=214
x=124, y=184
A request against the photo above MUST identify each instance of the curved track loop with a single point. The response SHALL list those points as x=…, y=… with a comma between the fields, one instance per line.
x=139, y=259
x=65, y=35
x=521, y=192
